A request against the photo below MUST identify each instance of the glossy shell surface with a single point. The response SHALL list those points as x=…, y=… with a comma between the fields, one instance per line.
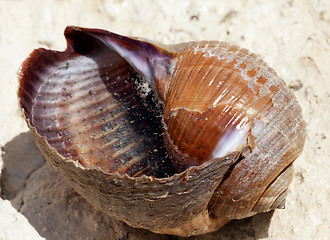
x=215, y=141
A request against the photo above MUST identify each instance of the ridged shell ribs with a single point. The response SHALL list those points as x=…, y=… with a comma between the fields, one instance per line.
x=177, y=139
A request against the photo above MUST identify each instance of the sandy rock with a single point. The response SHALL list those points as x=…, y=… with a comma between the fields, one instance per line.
x=14, y=225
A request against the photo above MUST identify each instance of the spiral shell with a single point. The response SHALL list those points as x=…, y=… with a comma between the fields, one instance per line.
x=177, y=139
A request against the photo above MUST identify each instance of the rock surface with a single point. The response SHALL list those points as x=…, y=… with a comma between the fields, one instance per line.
x=292, y=36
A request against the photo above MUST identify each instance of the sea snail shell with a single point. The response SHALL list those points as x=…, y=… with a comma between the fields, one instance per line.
x=177, y=139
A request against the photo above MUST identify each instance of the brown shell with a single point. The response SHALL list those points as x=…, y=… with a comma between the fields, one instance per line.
x=236, y=88
x=85, y=113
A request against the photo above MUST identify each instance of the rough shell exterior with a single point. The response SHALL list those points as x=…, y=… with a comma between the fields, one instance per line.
x=84, y=111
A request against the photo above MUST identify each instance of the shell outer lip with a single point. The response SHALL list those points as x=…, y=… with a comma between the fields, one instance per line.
x=93, y=179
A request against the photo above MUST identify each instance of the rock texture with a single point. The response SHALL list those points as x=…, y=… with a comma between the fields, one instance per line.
x=291, y=36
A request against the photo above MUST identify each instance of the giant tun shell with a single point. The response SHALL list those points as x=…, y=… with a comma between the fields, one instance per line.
x=218, y=144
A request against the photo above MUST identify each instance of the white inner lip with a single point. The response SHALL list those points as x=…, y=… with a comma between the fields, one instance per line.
x=231, y=141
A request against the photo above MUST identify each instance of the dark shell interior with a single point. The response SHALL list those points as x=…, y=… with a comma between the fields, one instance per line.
x=85, y=101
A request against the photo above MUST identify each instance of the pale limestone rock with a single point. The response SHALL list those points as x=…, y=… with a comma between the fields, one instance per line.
x=14, y=225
